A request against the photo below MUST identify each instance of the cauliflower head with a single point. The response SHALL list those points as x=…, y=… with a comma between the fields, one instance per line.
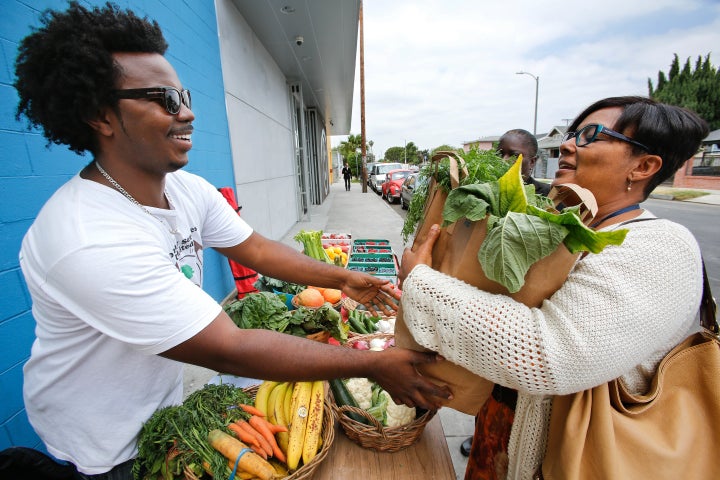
x=361, y=390
x=398, y=415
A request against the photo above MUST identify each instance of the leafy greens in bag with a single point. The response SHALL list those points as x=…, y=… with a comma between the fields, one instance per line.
x=522, y=227
x=482, y=166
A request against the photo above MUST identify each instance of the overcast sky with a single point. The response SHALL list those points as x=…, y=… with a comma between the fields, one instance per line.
x=444, y=71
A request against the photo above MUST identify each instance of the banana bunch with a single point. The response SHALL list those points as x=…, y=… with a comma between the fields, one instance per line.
x=300, y=407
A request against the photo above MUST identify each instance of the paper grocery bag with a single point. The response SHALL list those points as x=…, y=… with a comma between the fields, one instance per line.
x=457, y=256
x=469, y=391
x=455, y=253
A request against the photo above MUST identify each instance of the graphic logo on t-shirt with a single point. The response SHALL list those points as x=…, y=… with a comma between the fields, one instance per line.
x=187, y=271
x=188, y=256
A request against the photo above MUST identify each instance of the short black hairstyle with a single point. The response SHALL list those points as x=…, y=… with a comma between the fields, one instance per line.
x=528, y=139
x=673, y=133
x=65, y=70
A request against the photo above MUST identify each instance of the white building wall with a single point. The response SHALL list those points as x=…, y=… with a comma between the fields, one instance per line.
x=259, y=121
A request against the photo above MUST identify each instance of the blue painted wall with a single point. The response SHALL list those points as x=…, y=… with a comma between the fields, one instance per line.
x=30, y=172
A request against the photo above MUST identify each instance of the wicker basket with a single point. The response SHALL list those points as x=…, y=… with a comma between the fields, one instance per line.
x=322, y=336
x=375, y=436
x=305, y=472
x=353, y=337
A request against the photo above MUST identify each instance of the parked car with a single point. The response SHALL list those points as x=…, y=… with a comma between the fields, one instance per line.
x=392, y=184
x=409, y=187
x=369, y=167
x=377, y=175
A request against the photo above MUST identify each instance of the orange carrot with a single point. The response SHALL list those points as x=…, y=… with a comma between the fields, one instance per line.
x=262, y=426
x=262, y=442
x=251, y=410
x=277, y=428
x=243, y=435
x=234, y=450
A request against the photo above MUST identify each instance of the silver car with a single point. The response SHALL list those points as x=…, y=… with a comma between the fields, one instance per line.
x=377, y=175
x=409, y=186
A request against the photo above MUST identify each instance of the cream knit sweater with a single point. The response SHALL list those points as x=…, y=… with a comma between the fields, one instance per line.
x=617, y=315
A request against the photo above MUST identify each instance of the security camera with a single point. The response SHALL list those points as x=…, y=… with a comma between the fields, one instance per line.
x=299, y=40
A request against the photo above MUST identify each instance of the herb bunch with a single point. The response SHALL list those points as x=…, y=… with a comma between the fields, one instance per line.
x=175, y=437
x=482, y=166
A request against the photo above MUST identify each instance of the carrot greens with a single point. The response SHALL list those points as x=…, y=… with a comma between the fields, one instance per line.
x=175, y=437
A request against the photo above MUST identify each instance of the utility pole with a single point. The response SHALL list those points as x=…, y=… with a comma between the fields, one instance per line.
x=362, y=102
x=537, y=85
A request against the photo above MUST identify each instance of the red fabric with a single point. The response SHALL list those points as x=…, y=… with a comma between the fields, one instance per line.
x=244, y=277
x=488, y=454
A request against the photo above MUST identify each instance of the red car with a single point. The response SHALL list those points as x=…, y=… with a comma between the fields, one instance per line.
x=392, y=185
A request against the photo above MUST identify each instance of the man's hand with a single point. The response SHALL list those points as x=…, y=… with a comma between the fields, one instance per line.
x=397, y=374
x=374, y=293
x=421, y=253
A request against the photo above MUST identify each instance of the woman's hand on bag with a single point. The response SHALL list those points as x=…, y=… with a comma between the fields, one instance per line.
x=421, y=253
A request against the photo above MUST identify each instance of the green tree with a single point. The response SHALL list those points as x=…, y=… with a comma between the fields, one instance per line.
x=411, y=153
x=423, y=156
x=407, y=154
x=351, y=149
x=695, y=88
x=395, y=154
x=444, y=148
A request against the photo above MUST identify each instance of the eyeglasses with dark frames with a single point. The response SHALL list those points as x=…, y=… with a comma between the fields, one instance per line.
x=588, y=134
x=171, y=96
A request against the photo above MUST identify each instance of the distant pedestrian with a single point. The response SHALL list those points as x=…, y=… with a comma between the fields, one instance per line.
x=346, y=173
x=521, y=142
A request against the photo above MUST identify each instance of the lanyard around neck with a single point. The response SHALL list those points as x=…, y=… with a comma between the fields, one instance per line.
x=629, y=208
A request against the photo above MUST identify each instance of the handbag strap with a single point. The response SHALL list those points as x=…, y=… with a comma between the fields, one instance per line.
x=708, y=306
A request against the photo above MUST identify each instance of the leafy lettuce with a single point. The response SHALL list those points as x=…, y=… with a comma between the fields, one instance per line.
x=267, y=311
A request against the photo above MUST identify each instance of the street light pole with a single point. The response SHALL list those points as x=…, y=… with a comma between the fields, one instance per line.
x=537, y=85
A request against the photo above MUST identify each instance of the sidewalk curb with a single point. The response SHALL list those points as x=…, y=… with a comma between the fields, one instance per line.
x=662, y=196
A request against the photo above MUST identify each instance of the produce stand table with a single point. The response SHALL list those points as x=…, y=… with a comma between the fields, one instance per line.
x=429, y=458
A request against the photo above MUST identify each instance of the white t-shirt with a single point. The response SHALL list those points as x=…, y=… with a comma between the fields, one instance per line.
x=112, y=288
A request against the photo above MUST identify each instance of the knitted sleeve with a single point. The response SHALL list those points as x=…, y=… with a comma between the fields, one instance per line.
x=620, y=309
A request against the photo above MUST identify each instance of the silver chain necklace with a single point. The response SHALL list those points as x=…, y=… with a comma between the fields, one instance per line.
x=120, y=189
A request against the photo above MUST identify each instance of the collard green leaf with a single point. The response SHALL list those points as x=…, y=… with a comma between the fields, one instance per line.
x=518, y=241
x=470, y=201
x=581, y=238
x=512, y=190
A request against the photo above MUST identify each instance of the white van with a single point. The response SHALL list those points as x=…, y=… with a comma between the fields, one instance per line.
x=377, y=175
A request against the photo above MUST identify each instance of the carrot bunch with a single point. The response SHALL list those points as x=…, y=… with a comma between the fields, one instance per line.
x=258, y=433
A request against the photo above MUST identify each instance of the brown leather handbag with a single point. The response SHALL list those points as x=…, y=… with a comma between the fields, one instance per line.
x=670, y=432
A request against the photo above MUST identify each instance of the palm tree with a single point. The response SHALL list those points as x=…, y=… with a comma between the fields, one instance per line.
x=349, y=149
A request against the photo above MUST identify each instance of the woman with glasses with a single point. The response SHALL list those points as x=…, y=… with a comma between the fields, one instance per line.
x=618, y=313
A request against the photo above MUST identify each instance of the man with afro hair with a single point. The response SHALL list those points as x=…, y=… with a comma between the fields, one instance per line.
x=113, y=261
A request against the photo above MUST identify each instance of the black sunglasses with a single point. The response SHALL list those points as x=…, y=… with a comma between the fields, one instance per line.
x=589, y=133
x=170, y=95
